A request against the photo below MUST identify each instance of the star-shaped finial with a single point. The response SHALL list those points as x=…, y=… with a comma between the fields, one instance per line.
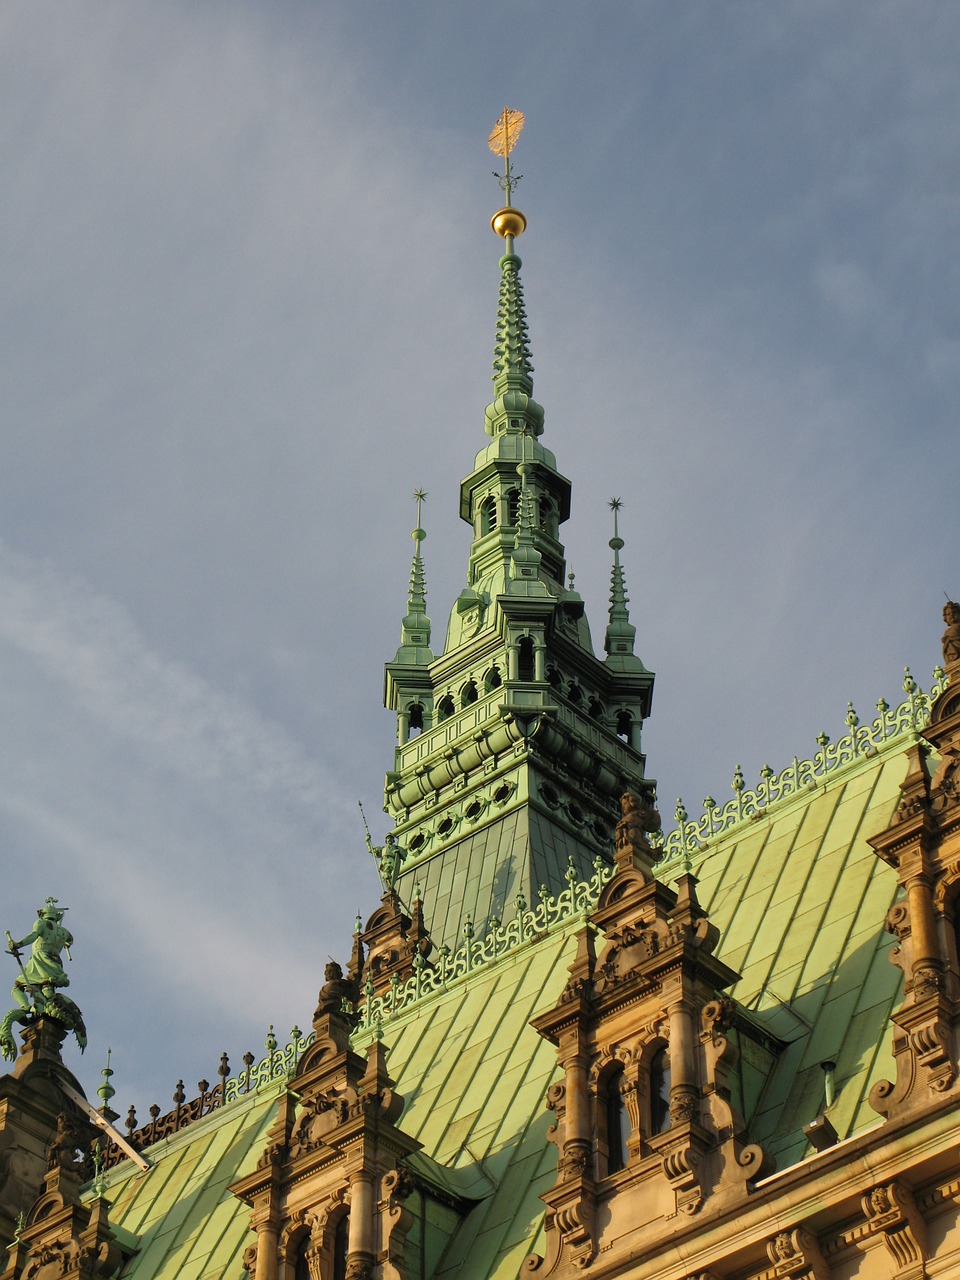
x=615, y=505
x=420, y=495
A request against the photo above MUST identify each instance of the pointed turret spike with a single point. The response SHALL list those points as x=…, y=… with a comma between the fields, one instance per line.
x=416, y=625
x=621, y=634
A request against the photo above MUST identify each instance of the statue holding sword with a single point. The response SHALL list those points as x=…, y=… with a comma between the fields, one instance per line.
x=37, y=989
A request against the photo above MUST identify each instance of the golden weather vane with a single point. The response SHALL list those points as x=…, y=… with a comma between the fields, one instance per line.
x=502, y=140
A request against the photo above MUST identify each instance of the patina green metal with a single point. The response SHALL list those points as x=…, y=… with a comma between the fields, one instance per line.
x=38, y=990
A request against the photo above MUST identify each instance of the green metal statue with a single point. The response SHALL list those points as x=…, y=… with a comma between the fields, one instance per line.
x=37, y=990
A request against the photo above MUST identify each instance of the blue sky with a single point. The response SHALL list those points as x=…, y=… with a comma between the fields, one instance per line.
x=249, y=307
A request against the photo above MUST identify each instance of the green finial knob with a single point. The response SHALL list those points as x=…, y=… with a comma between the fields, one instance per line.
x=106, y=1090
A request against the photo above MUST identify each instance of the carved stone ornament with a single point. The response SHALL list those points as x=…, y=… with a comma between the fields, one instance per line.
x=795, y=1255
x=890, y=1211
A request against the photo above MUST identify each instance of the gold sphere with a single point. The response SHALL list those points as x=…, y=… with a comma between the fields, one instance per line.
x=508, y=222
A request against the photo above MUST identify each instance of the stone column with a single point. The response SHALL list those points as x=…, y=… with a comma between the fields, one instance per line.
x=684, y=1093
x=360, y=1251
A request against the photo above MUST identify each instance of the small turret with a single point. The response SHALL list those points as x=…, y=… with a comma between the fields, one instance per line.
x=621, y=634
x=406, y=679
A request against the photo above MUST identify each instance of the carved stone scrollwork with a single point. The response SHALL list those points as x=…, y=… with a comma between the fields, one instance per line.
x=717, y=1016
x=796, y=1255
x=931, y=1044
x=249, y=1259
x=557, y=1103
x=679, y=1164
x=890, y=1210
x=576, y=1233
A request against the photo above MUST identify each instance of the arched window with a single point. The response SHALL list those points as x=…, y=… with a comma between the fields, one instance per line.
x=341, y=1243
x=301, y=1266
x=616, y=1121
x=525, y=659
x=445, y=709
x=468, y=694
x=575, y=694
x=415, y=712
x=624, y=725
x=546, y=515
x=554, y=678
x=513, y=507
x=488, y=515
x=492, y=680
x=596, y=710
x=660, y=1091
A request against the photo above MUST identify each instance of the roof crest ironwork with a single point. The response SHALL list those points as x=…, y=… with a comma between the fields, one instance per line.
x=861, y=741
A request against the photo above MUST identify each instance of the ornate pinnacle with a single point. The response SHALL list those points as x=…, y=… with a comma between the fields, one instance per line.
x=620, y=635
x=107, y=1091
x=415, y=631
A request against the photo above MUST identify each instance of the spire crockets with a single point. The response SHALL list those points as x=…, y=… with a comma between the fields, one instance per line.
x=621, y=634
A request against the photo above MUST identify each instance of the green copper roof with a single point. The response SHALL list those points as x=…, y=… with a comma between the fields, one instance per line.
x=800, y=899
x=190, y=1226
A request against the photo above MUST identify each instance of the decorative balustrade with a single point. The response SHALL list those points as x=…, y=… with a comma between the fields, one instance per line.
x=574, y=902
x=276, y=1064
x=861, y=741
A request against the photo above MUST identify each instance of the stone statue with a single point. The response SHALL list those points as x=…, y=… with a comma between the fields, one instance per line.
x=951, y=637
x=37, y=990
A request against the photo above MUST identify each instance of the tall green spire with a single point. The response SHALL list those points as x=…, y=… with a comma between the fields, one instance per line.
x=516, y=742
x=513, y=408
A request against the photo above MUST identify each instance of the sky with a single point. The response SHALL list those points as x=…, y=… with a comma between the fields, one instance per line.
x=248, y=308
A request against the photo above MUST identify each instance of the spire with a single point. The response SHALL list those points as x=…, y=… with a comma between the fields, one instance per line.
x=415, y=629
x=512, y=366
x=620, y=635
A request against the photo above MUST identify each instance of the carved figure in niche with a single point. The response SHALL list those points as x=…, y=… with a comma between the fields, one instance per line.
x=37, y=989
x=951, y=637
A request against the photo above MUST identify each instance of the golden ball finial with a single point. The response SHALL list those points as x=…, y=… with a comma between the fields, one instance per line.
x=508, y=222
